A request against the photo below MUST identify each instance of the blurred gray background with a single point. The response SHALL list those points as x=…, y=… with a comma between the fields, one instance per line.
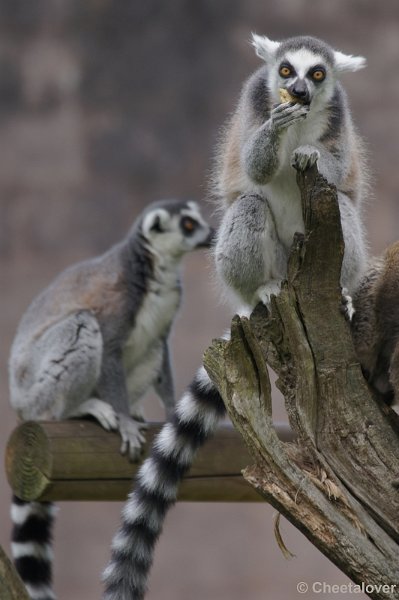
x=104, y=107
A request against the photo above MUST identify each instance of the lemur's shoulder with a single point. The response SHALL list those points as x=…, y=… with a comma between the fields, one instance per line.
x=253, y=109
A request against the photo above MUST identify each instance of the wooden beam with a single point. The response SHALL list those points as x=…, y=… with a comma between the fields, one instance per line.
x=78, y=460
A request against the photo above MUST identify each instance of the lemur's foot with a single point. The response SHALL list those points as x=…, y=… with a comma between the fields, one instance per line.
x=347, y=307
x=264, y=292
x=304, y=157
x=131, y=432
x=100, y=410
x=288, y=113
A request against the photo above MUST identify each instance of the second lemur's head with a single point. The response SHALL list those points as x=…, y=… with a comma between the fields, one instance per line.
x=172, y=227
x=304, y=66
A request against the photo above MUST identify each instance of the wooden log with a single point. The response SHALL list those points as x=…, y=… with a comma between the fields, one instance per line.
x=78, y=460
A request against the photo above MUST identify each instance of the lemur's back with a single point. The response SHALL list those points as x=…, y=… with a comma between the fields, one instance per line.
x=94, y=285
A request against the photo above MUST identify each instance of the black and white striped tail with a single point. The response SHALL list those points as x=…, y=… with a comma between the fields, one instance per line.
x=31, y=546
x=196, y=417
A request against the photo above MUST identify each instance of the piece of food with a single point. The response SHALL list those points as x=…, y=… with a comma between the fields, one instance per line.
x=285, y=96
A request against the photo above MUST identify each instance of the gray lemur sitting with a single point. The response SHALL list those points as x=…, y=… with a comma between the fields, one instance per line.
x=96, y=339
x=93, y=343
x=265, y=141
x=255, y=181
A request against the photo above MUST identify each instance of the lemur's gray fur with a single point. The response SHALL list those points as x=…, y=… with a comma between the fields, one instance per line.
x=375, y=325
x=263, y=144
x=93, y=343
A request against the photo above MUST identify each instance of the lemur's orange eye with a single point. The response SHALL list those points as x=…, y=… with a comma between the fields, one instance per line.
x=188, y=225
x=318, y=75
x=285, y=71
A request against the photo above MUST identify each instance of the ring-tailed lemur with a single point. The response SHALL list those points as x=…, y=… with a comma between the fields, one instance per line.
x=93, y=343
x=261, y=206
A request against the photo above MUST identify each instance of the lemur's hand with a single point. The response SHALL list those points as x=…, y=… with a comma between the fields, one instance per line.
x=347, y=308
x=131, y=432
x=285, y=115
x=304, y=157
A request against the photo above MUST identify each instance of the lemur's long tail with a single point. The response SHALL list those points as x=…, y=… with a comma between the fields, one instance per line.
x=197, y=415
x=31, y=546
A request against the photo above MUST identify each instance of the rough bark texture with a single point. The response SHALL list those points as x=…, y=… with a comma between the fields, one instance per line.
x=11, y=586
x=338, y=482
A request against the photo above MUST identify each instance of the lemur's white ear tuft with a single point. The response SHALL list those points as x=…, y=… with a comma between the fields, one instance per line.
x=155, y=221
x=346, y=62
x=264, y=47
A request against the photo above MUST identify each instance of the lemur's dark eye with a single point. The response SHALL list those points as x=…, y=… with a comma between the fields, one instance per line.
x=318, y=74
x=188, y=225
x=285, y=71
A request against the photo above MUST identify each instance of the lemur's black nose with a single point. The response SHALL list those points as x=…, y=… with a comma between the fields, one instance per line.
x=300, y=90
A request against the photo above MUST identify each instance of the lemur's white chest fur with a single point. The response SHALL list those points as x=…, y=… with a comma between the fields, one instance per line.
x=156, y=314
x=282, y=192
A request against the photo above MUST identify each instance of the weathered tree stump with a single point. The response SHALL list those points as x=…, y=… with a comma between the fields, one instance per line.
x=338, y=483
x=11, y=586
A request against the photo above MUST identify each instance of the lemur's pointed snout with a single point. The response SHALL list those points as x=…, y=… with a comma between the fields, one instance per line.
x=300, y=90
